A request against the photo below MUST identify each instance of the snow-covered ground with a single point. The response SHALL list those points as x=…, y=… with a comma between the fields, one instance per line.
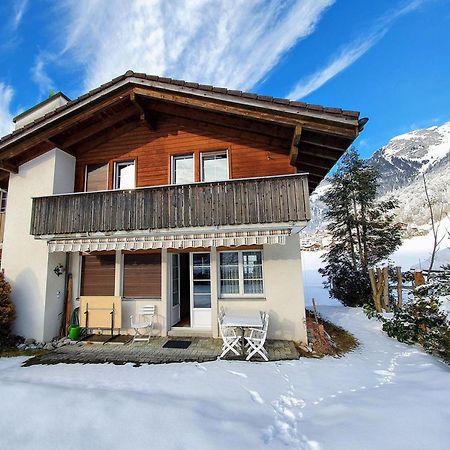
x=385, y=395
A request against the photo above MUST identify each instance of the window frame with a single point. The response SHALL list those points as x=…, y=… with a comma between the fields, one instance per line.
x=86, y=175
x=241, y=293
x=116, y=173
x=173, y=158
x=214, y=153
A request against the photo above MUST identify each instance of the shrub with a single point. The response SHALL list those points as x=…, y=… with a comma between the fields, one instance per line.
x=7, y=309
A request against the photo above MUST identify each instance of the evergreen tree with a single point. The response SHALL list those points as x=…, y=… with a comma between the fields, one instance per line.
x=362, y=229
x=7, y=310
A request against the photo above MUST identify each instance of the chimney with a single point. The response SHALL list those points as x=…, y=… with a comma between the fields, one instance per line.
x=39, y=110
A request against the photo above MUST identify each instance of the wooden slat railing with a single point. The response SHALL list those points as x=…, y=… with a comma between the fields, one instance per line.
x=278, y=199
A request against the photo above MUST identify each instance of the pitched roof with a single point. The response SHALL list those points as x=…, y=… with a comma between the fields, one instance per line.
x=268, y=101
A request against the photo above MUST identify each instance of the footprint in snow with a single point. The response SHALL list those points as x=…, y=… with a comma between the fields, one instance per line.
x=256, y=397
x=238, y=374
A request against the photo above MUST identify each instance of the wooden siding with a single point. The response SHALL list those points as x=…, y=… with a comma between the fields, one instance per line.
x=251, y=155
x=280, y=199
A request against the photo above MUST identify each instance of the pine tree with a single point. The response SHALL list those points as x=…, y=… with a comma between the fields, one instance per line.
x=362, y=228
x=7, y=309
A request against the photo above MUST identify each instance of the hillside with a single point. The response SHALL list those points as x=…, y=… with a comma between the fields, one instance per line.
x=402, y=163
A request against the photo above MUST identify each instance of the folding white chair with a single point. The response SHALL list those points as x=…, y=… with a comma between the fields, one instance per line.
x=230, y=339
x=221, y=312
x=142, y=323
x=257, y=339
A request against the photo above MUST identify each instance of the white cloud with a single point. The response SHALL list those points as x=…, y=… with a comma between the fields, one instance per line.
x=232, y=43
x=6, y=94
x=350, y=53
x=40, y=76
x=20, y=7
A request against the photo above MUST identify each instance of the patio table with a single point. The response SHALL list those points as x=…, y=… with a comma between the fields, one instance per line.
x=243, y=320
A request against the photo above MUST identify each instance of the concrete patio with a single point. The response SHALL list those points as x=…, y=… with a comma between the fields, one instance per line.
x=200, y=350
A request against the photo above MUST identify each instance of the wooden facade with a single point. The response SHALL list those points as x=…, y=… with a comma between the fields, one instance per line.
x=281, y=199
x=249, y=154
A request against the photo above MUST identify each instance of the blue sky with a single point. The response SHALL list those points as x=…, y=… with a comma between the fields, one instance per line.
x=389, y=59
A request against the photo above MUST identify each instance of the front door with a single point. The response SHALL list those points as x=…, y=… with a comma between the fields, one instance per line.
x=175, y=289
x=200, y=264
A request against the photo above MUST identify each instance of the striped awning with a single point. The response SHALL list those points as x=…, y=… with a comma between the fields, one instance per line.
x=180, y=241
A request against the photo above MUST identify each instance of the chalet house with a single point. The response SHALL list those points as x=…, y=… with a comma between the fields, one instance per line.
x=162, y=192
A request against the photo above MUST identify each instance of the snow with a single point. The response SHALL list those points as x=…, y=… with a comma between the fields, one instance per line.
x=384, y=395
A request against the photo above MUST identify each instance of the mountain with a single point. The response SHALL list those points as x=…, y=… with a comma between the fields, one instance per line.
x=403, y=163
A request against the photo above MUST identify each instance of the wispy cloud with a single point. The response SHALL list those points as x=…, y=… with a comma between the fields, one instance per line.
x=233, y=43
x=40, y=76
x=6, y=95
x=352, y=52
x=20, y=7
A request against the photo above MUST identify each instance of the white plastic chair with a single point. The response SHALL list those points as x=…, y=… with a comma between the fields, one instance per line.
x=143, y=321
x=229, y=337
x=221, y=312
x=257, y=339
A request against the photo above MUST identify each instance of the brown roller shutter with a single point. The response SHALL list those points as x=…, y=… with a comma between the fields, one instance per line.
x=97, y=274
x=96, y=177
x=142, y=275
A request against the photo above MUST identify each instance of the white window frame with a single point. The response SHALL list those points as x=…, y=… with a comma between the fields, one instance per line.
x=214, y=153
x=118, y=164
x=173, y=158
x=241, y=293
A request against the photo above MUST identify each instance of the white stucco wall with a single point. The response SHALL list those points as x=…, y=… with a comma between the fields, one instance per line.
x=37, y=292
x=283, y=292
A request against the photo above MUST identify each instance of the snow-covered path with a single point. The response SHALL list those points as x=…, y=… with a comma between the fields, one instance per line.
x=385, y=395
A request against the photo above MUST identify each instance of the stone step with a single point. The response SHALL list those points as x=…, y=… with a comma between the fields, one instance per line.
x=188, y=332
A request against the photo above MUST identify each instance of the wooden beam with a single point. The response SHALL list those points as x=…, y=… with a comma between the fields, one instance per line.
x=6, y=166
x=145, y=116
x=320, y=152
x=48, y=131
x=93, y=129
x=293, y=153
x=223, y=120
x=346, y=130
x=312, y=169
x=315, y=161
x=105, y=136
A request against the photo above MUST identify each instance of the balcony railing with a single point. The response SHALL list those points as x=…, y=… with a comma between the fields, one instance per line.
x=280, y=199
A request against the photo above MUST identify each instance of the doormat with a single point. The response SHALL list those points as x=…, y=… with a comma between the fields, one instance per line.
x=177, y=344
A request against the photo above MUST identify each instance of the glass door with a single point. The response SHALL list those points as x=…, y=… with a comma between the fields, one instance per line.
x=200, y=290
x=175, y=289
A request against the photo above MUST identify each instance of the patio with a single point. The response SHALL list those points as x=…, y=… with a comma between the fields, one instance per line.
x=200, y=350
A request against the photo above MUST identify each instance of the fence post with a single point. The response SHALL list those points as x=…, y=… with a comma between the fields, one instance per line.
x=386, y=288
x=399, y=286
x=373, y=285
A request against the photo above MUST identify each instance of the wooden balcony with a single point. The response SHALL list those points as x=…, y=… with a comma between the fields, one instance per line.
x=280, y=199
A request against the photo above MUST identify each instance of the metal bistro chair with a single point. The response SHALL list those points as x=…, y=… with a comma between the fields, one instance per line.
x=257, y=339
x=229, y=337
x=143, y=321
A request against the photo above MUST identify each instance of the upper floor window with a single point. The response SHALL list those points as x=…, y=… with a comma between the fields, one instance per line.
x=214, y=166
x=124, y=175
x=183, y=169
x=3, y=200
x=96, y=178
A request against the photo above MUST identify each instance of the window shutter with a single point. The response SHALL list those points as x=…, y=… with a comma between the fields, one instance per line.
x=98, y=274
x=142, y=275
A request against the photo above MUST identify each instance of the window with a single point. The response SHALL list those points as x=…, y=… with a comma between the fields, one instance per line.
x=96, y=177
x=142, y=275
x=183, y=169
x=3, y=200
x=124, y=175
x=201, y=280
x=241, y=273
x=214, y=166
x=98, y=274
